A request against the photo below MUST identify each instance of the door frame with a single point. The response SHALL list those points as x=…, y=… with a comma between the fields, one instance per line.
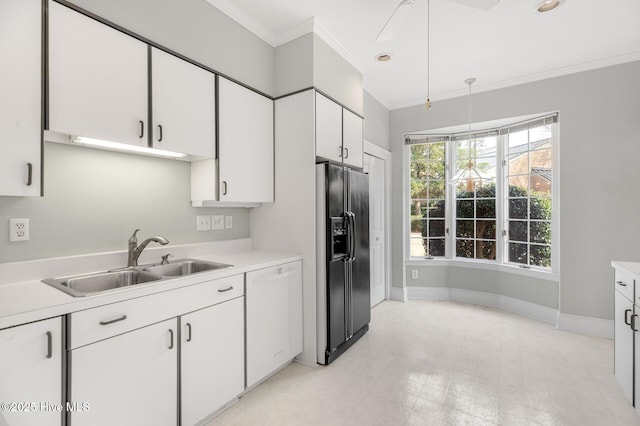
x=383, y=154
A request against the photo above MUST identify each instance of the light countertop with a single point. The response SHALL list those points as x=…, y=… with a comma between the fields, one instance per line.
x=628, y=267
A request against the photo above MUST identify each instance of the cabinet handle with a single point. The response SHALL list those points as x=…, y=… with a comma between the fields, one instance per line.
x=49, y=344
x=141, y=134
x=222, y=290
x=633, y=322
x=626, y=316
x=340, y=151
x=279, y=271
x=122, y=318
x=189, y=334
x=622, y=283
x=171, y=342
x=346, y=153
x=160, y=131
x=224, y=186
x=29, y=174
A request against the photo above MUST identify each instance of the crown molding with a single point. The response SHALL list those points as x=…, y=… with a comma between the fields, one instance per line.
x=245, y=19
x=559, y=72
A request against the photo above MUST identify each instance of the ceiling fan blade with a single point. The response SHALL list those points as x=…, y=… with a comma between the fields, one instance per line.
x=394, y=22
x=478, y=4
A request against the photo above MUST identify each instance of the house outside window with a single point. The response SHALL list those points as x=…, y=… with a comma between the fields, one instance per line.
x=484, y=196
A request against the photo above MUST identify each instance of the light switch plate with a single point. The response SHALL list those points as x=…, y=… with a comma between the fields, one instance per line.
x=217, y=222
x=203, y=223
x=228, y=222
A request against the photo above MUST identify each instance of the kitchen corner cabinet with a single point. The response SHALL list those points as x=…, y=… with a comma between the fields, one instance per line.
x=273, y=319
x=129, y=379
x=212, y=359
x=20, y=99
x=339, y=133
x=97, y=79
x=183, y=106
x=31, y=373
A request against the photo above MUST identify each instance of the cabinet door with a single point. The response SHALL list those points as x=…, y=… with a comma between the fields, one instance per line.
x=184, y=111
x=352, y=139
x=623, y=344
x=130, y=379
x=274, y=319
x=212, y=359
x=97, y=79
x=328, y=128
x=20, y=99
x=245, y=144
x=31, y=372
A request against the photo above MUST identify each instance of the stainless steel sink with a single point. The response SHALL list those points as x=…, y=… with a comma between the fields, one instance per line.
x=87, y=284
x=184, y=267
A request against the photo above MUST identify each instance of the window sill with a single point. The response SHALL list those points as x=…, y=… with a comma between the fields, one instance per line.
x=486, y=265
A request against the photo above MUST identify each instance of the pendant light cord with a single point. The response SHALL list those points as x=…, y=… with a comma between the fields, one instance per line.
x=428, y=49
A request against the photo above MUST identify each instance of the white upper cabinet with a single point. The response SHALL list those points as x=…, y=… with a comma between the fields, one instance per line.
x=97, y=79
x=352, y=139
x=20, y=97
x=328, y=129
x=183, y=106
x=245, y=144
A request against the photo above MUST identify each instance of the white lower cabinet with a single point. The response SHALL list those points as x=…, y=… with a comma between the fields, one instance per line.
x=129, y=379
x=624, y=343
x=212, y=359
x=273, y=319
x=31, y=373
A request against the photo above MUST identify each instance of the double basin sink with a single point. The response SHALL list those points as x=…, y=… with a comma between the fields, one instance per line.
x=97, y=282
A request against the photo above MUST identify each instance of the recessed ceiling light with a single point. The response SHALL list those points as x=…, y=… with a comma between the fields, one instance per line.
x=383, y=57
x=548, y=5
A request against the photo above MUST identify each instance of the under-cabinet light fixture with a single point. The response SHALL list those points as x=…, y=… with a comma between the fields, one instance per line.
x=125, y=147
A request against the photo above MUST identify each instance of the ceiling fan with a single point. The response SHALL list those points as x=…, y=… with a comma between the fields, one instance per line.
x=403, y=9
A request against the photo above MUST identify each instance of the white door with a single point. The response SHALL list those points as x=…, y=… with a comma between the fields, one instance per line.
x=130, y=379
x=31, y=373
x=376, y=169
x=211, y=359
x=352, y=141
x=184, y=110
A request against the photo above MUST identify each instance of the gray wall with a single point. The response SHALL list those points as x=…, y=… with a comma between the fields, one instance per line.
x=599, y=175
x=294, y=65
x=197, y=30
x=95, y=199
x=376, y=122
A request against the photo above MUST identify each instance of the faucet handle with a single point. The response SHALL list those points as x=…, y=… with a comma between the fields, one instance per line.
x=165, y=258
x=133, y=239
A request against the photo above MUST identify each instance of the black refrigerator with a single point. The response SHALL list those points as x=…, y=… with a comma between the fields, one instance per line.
x=343, y=289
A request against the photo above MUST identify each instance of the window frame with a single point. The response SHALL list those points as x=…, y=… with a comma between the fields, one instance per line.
x=502, y=217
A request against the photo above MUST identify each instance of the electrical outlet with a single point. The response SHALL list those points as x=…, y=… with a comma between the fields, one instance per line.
x=19, y=229
x=217, y=222
x=228, y=222
x=203, y=223
x=414, y=274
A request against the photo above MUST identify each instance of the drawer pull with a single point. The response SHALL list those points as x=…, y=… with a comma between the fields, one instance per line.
x=29, y=174
x=122, y=318
x=222, y=290
x=171, y=341
x=622, y=283
x=49, y=344
x=189, y=335
x=633, y=322
x=626, y=316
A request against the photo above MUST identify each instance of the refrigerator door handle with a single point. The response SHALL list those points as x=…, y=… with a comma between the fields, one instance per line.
x=352, y=231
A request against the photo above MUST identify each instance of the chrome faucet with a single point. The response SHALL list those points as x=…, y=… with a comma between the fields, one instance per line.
x=135, y=250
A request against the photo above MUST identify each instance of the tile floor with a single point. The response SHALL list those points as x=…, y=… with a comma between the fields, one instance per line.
x=444, y=363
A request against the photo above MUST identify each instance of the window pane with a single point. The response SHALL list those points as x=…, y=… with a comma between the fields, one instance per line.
x=436, y=171
x=486, y=167
x=418, y=153
x=486, y=147
x=518, y=185
x=436, y=208
x=418, y=247
x=540, y=208
x=486, y=189
x=518, y=164
x=436, y=228
x=541, y=255
x=418, y=189
x=540, y=232
x=435, y=151
x=436, y=247
x=465, y=189
x=464, y=208
x=486, y=229
x=540, y=133
x=518, y=142
x=518, y=253
x=541, y=158
x=418, y=170
x=417, y=208
x=436, y=189
x=464, y=248
x=464, y=228
x=518, y=231
x=486, y=250
x=518, y=208
x=486, y=208
x=417, y=225
x=540, y=185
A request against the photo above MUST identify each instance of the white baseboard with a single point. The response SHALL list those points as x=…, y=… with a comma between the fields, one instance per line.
x=399, y=294
x=481, y=298
x=585, y=325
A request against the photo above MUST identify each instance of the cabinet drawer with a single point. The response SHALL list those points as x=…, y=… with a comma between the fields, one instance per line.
x=624, y=283
x=107, y=321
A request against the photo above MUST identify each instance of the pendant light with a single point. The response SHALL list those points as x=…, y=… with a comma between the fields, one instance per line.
x=427, y=104
x=469, y=174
